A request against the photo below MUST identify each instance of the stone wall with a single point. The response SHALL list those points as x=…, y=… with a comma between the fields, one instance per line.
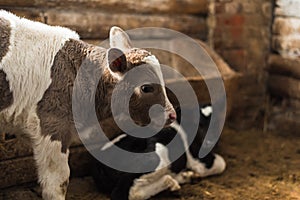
x=286, y=28
x=284, y=68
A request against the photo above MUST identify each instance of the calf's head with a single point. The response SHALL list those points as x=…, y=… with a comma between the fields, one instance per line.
x=143, y=82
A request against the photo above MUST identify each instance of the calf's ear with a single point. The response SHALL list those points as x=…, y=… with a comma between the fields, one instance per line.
x=116, y=60
x=119, y=39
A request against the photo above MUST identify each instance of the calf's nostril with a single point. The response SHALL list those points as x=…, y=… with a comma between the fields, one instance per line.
x=172, y=116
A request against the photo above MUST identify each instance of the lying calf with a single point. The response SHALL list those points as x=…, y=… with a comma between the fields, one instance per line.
x=38, y=69
x=165, y=175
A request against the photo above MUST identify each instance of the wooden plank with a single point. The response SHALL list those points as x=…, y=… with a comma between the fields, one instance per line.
x=157, y=6
x=284, y=13
x=17, y=171
x=209, y=59
x=18, y=3
x=285, y=124
x=23, y=170
x=14, y=148
x=286, y=26
x=284, y=86
x=287, y=46
x=113, y=6
x=295, y=103
x=284, y=66
x=223, y=67
x=20, y=147
x=287, y=8
x=199, y=86
x=285, y=118
x=248, y=102
x=29, y=13
x=92, y=24
x=2, y=139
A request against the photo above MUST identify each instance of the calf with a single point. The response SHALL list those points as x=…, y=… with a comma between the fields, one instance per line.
x=38, y=67
x=165, y=175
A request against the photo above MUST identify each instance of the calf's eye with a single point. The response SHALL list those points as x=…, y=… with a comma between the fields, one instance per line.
x=147, y=88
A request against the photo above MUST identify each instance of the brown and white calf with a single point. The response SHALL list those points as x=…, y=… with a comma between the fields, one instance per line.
x=38, y=66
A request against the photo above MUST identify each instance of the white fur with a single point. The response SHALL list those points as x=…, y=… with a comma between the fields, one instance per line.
x=142, y=192
x=153, y=183
x=206, y=111
x=163, y=154
x=184, y=177
x=194, y=164
x=119, y=39
x=183, y=136
x=154, y=63
x=53, y=167
x=52, y=164
x=218, y=167
x=27, y=65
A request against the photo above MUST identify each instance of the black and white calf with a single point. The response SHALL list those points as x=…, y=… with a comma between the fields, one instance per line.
x=38, y=67
x=165, y=175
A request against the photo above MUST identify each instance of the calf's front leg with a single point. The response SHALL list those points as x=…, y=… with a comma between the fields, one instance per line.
x=53, y=168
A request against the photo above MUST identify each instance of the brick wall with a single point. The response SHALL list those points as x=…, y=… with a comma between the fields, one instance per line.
x=242, y=36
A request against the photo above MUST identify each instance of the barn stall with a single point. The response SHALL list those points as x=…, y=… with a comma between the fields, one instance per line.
x=255, y=47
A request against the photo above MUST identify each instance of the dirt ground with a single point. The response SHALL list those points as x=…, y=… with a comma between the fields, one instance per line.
x=260, y=166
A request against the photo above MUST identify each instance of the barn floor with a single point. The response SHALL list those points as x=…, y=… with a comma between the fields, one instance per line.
x=260, y=166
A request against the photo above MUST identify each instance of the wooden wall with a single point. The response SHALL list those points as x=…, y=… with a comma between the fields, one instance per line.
x=93, y=18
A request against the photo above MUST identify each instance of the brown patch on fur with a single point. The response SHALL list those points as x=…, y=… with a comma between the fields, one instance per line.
x=110, y=128
x=135, y=57
x=55, y=108
x=64, y=187
x=6, y=95
x=4, y=37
